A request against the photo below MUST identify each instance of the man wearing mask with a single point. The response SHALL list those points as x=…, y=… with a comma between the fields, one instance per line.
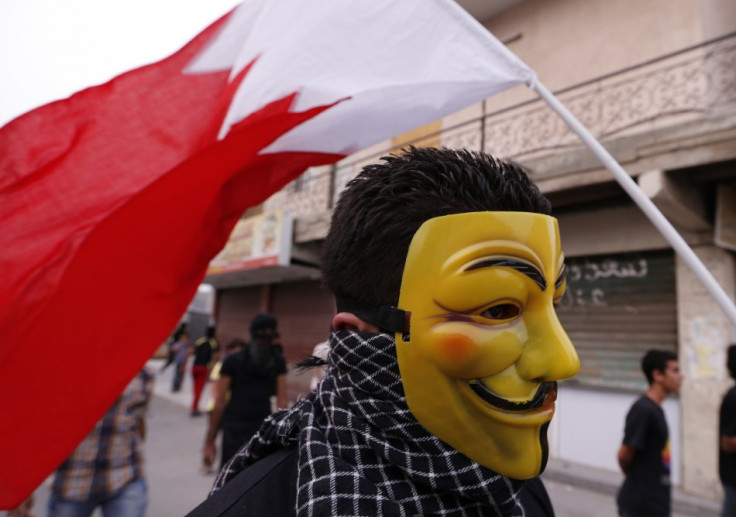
x=444, y=355
x=251, y=376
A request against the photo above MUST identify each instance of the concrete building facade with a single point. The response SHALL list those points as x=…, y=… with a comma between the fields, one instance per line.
x=655, y=82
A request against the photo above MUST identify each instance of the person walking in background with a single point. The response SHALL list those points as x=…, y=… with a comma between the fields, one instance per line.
x=252, y=376
x=233, y=346
x=727, y=449
x=644, y=455
x=181, y=351
x=106, y=470
x=206, y=350
x=173, y=338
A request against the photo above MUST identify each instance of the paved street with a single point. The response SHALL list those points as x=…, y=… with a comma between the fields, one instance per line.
x=570, y=501
x=176, y=484
x=573, y=501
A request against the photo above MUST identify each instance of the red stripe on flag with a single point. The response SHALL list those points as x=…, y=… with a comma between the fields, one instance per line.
x=112, y=211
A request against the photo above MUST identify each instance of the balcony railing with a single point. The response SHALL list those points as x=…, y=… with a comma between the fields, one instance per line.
x=671, y=89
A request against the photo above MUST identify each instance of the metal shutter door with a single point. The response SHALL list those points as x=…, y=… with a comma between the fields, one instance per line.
x=615, y=308
x=235, y=310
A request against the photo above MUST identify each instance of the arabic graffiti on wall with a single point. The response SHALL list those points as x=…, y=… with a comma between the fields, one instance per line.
x=586, y=279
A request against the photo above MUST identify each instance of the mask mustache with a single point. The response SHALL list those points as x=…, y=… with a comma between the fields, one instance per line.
x=544, y=390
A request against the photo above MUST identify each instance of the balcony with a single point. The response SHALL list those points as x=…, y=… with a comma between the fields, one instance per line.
x=685, y=95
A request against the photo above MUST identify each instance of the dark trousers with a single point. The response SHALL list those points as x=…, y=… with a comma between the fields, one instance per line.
x=178, y=377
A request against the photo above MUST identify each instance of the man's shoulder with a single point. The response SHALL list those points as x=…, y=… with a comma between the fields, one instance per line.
x=535, y=499
x=729, y=400
x=236, y=357
x=731, y=393
x=233, y=364
x=644, y=404
x=139, y=386
x=204, y=340
x=643, y=410
x=268, y=487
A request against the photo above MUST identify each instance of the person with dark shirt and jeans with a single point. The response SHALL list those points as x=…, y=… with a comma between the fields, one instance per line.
x=252, y=376
x=443, y=358
x=644, y=455
x=727, y=449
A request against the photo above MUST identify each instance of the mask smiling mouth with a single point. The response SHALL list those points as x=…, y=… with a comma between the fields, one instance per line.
x=547, y=392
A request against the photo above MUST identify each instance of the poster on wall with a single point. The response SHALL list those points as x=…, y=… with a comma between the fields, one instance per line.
x=258, y=241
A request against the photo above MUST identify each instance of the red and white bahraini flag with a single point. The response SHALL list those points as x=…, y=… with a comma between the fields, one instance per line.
x=114, y=200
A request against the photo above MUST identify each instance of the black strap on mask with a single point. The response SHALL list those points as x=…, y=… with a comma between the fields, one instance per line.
x=387, y=318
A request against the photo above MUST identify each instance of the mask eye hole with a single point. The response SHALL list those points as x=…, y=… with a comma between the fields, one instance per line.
x=501, y=312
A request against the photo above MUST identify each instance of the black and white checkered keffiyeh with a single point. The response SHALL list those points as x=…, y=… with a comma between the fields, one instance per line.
x=362, y=452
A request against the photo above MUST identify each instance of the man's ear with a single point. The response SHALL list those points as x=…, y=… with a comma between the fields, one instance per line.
x=657, y=375
x=349, y=321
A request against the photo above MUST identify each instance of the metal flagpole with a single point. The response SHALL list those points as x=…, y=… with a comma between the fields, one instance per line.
x=646, y=204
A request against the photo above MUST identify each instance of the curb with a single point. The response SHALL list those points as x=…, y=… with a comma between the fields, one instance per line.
x=607, y=482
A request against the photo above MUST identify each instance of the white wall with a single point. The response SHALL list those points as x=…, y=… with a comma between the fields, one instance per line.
x=589, y=425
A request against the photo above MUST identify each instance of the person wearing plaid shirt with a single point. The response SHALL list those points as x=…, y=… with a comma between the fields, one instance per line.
x=443, y=360
x=106, y=468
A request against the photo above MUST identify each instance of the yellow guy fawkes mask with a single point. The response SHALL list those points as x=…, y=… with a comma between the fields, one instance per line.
x=485, y=345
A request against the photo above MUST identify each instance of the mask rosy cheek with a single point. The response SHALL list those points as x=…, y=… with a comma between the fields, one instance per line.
x=472, y=354
x=455, y=349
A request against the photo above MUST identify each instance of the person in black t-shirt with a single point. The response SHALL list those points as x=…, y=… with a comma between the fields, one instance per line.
x=644, y=455
x=727, y=449
x=252, y=376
